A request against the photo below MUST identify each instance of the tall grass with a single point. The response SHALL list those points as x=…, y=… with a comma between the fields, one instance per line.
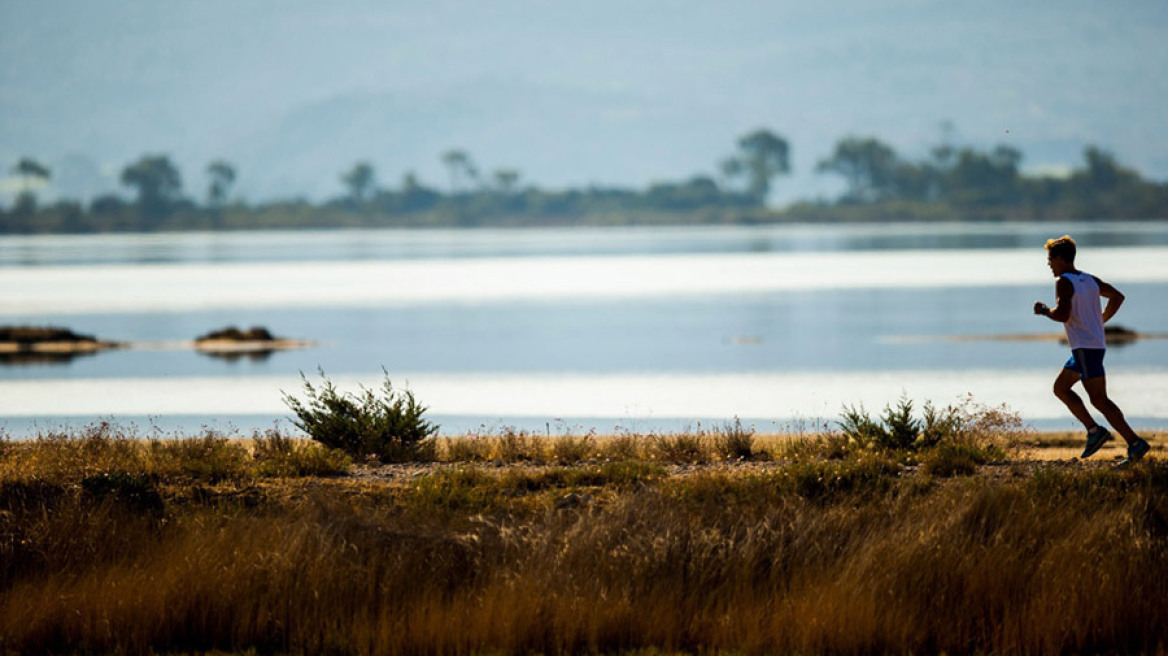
x=730, y=442
x=978, y=431
x=715, y=563
x=106, y=546
x=106, y=447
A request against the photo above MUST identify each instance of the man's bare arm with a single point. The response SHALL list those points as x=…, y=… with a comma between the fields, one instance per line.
x=1114, y=299
x=1064, y=291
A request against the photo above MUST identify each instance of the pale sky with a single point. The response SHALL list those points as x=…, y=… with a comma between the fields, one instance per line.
x=570, y=94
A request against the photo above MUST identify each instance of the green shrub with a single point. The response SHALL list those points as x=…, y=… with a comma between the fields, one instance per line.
x=897, y=430
x=979, y=432
x=901, y=430
x=939, y=424
x=860, y=429
x=389, y=427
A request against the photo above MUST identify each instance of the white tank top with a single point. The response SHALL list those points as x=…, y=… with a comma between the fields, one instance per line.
x=1085, y=326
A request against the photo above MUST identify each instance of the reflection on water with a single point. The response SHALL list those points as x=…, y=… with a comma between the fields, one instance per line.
x=39, y=358
x=187, y=287
x=645, y=324
x=761, y=396
x=364, y=245
x=254, y=355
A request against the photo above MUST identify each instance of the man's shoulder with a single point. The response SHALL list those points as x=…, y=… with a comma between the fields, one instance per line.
x=1078, y=276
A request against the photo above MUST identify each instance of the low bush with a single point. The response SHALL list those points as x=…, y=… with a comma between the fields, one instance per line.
x=896, y=431
x=969, y=432
x=733, y=442
x=388, y=427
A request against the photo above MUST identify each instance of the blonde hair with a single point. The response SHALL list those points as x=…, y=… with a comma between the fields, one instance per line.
x=1063, y=247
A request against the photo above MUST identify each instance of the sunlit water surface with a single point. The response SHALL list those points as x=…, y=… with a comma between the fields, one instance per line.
x=641, y=329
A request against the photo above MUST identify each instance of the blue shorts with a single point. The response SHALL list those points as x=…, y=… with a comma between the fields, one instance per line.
x=1088, y=363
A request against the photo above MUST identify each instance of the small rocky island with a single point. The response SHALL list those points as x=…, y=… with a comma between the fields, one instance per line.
x=47, y=344
x=231, y=343
x=1118, y=336
x=30, y=345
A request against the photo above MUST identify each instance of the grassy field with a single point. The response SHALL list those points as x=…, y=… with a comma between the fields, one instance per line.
x=715, y=542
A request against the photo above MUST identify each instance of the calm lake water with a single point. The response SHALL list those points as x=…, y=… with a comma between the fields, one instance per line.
x=637, y=329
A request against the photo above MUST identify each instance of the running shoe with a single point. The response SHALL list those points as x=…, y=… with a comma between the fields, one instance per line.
x=1136, y=451
x=1096, y=438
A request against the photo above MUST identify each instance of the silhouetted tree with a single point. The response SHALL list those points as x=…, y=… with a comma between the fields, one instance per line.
x=981, y=179
x=731, y=169
x=505, y=180
x=361, y=181
x=697, y=192
x=222, y=176
x=107, y=205
x=762, y=155
x=32, y=174
x=949, y=183
x=1103, y=172
x=29, y=169
x=868, y=166
x=416, y=197
x=157, y=182
x=461, y=169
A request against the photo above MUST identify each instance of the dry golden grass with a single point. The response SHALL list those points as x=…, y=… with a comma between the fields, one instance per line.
x=111, y=544
x=1062, y=445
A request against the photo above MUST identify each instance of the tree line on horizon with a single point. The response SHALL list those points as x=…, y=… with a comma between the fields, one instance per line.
x=950, y=183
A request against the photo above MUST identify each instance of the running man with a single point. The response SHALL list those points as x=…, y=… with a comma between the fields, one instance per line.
x=1079, y=310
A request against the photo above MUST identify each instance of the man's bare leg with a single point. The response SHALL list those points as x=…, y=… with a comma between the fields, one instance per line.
x=1062, y=389
x=1097, y=391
